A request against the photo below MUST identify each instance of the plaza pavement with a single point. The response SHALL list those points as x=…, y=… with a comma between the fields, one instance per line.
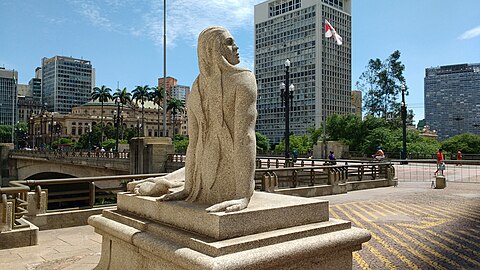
x=413, y=227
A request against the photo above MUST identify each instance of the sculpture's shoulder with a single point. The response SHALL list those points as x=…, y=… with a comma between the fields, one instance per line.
x=245, y=80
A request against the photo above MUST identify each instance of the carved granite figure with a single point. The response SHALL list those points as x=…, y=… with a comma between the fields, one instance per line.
x=221, y=109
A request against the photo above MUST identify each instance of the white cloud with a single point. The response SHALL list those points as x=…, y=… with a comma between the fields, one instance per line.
x=93, y=13
x=472, y=33
x=185, y=18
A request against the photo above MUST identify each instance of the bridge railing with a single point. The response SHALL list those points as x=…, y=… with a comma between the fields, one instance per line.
x=276, y=177
x=70, y=154
x=59, y=194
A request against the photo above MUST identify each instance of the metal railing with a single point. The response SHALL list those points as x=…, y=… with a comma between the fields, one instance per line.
x=69, y=154
x=421, y=170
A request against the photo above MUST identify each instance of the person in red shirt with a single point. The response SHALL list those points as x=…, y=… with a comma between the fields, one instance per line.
x=440, y=162
x=459, y=157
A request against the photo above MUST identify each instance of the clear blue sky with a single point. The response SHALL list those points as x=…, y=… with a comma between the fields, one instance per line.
x=124, y=38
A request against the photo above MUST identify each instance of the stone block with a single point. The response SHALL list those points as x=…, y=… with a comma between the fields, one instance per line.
x=274, y=232
x=6, y=216
x=440, y=182
x=265, y=212
x=32, y=200
x=25, y=235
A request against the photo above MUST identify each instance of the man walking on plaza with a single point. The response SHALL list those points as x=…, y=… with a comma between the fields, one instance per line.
x=440, y=163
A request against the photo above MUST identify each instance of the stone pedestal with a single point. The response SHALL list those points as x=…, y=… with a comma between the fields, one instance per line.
x=274, y=232
x=440, y=182
x=149, y=154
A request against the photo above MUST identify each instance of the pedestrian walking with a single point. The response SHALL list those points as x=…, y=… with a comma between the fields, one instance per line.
x=440, y=162
x=459, y=158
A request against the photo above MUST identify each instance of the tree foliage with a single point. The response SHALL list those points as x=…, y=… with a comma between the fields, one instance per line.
x=381, y=82
x=364, y=136
x=263, y=143
x=468, y=143
x=181, y=143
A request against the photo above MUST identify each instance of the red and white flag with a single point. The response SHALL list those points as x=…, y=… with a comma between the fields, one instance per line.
x=331, y=33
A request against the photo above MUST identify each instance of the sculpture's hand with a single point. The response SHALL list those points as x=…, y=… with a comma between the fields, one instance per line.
x=175, y=196
x=229, y=206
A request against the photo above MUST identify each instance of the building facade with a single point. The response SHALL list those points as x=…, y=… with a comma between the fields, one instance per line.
x=180, y=92
x=66, y=82
x=357, y=103
x=320, y=69
x=46, y=127
x=452, y=99
x=8, y=96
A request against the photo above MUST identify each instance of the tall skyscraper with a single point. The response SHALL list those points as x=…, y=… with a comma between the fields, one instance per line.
x=452, y=99
x=8, y=96
x=320, y=69
x=66, y=82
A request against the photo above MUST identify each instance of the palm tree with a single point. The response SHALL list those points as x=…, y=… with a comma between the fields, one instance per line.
x=141, y=94
x=156, y=95
x=103, y=95
x=175, y=106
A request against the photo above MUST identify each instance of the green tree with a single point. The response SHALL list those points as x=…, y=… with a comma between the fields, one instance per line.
x=175, y=106
x=263, y=143
x=103, y=95
x=303, y=144
x=156, y=95
x=141, y=93
x=381, y=82
x=5, y=133
x=468, y=143
x=181, y=143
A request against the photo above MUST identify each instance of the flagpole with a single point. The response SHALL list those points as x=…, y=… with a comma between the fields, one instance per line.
x=164, y=68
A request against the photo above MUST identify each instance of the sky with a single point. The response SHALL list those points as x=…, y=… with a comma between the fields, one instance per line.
x=124, y=38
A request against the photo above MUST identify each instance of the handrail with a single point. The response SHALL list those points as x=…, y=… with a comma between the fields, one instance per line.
x=18, y=191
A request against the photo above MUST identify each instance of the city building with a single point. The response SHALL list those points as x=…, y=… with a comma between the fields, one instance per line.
x=46, y=127
x=180, y=92
x=8, y=96
x=27, y=106
x=357, y=103
x=452, y=99
x=36, y=84
x=23, y=90
x=320, y=69
x=66, y=82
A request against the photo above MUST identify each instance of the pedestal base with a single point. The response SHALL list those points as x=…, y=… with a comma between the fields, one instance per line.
x=440, y=182
x=290, y=233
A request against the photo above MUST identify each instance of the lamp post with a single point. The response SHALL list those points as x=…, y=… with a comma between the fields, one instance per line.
x=287, y=96
x=404, y=126
x=117, y=100
x=51, y=133
x=138, y=127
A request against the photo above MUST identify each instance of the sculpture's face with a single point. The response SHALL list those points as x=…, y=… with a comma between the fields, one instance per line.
x=230, y=50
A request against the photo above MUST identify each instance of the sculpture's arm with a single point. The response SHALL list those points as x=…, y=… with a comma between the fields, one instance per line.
x=244, y=148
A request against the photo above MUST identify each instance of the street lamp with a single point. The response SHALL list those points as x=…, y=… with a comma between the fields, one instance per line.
x=117, y=101
x=51, y=132
x=287, y=96
x=404, y=126
x=138, y=126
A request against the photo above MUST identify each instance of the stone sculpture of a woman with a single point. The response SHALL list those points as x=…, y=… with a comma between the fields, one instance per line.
x=221, y=108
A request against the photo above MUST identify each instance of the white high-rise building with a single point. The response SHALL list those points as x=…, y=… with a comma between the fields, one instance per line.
x=8, y=96
x=320, y=69
x=66, y=82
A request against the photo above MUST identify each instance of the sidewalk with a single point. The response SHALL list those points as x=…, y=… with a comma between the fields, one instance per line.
x=76, y=248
